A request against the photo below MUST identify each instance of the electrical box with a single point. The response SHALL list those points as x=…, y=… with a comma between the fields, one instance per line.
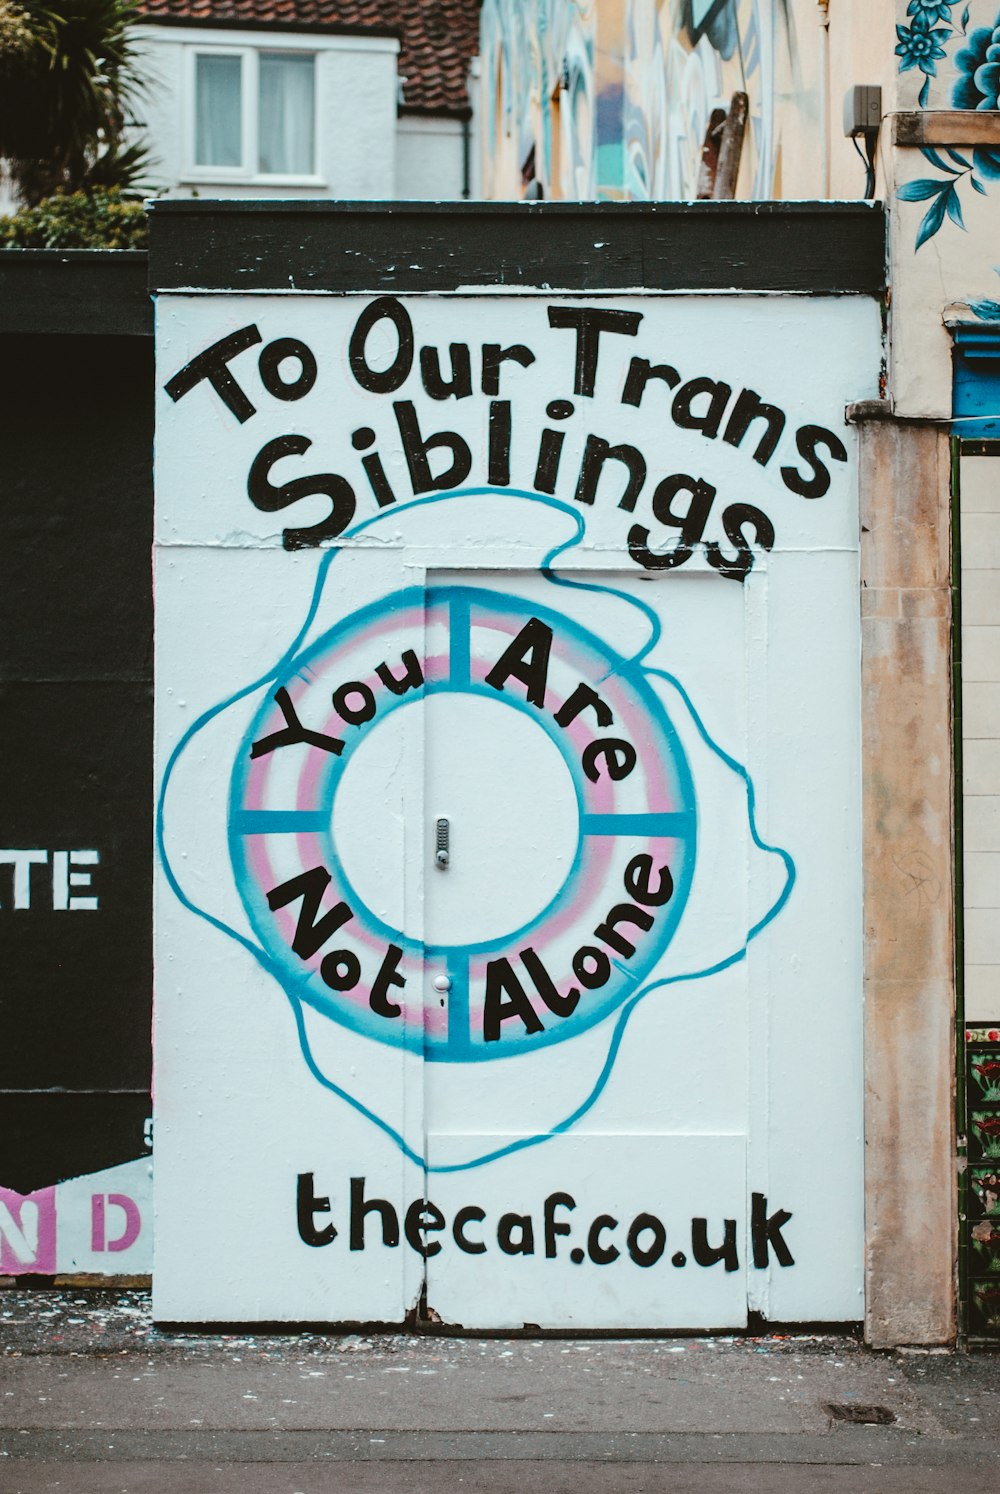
x=862, y=109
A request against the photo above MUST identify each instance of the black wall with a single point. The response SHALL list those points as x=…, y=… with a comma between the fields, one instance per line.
x=76, y=427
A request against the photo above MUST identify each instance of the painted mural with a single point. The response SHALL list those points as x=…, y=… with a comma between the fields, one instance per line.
x=540, y=117
x=613, y=101
x=507, y=830
x=948, y=57
x=685, y=58
x=616, y=101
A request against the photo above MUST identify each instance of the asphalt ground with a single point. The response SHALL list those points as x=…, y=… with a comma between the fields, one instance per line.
x=94, y=1398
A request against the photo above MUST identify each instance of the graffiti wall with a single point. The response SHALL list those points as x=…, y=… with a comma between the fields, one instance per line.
x=539, y=113
x=508, y=893
x=683, y=59
x=613, y=101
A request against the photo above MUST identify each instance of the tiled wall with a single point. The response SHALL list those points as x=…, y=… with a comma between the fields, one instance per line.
x=980, y=518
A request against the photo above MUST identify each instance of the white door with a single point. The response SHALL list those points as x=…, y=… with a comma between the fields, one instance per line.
x=581, y=1170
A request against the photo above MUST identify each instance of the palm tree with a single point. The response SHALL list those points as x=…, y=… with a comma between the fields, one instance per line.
x=66, y=78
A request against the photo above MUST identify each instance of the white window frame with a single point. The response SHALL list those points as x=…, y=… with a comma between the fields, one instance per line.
x=249, y=55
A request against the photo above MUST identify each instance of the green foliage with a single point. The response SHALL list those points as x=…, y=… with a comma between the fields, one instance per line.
x=66, y=80
x=100, y=219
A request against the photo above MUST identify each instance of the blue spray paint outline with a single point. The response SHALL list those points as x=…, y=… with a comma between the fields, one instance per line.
x=458, y=1046
x=626, y=1010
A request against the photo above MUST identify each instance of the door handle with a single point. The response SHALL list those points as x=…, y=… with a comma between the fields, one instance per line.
x=441, y=840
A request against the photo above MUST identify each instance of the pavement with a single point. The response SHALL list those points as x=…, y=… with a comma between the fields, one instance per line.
x=95, y=1400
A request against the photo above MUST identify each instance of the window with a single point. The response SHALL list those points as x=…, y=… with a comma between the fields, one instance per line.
x=218, y=111
x=255, y=113
x=287, y=110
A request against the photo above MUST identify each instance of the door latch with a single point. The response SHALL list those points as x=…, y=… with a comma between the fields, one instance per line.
x=442, y=829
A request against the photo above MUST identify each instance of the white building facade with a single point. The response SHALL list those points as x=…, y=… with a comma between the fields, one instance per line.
x=269, y=112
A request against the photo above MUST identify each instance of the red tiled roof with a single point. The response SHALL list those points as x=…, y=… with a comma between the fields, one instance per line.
x=437, y=37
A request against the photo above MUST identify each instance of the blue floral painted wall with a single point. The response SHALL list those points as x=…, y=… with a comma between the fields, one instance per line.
x=955, y=53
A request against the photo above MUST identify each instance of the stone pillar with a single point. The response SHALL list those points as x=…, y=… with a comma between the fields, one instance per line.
x=909, y=881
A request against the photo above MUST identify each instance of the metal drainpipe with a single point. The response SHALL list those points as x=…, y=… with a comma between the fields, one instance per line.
x=467, y=157
x=823, y=16
x=475, y=104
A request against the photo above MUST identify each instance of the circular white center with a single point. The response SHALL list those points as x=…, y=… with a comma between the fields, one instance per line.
x=502, y=784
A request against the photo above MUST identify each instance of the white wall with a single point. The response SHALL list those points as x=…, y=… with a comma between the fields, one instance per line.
x=356, y=92
x=429, y=162
x=743, y=1002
